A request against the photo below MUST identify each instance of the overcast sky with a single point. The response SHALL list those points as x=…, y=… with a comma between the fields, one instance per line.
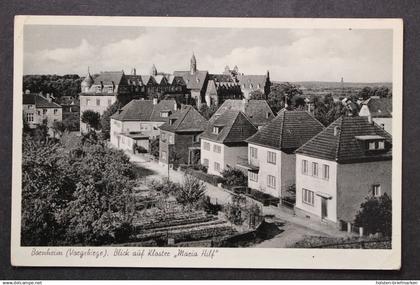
x=289, y=54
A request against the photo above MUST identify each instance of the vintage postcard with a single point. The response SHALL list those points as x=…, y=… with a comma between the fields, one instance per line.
x=207, y=142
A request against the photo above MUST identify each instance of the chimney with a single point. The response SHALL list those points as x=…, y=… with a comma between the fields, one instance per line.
x=336, y=130
x=155, y=101
x=48, y=96
x=370, y=119
x=27, y=91
x=175, y=106
x=134, y=71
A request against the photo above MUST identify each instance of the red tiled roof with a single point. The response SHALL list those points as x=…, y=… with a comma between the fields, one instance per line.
x=235, y=128
x=344, y=147
x=258, y=111
x=39, y=101
x=194, y=81
x=379, y=107
x=287, y=131
x=186, y=119
x=144, y=110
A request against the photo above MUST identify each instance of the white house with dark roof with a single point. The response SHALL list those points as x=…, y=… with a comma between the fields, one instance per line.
x=271, y=158
x=341, y=166
x=139, y=121
x=380, y=110
x=38, y=108
x=223, y=141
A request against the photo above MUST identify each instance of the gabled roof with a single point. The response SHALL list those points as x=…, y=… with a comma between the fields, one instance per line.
x=194, y=81
x=287, y=131
x=344, y=147
x=221, y=77
x=235, y=127
x=144, y=110
x=135, y=80
x=246, y=81
x=39, y=101
x=147, y=78
x=258, y=111
x=379, y=107
x=187, y=119
x=107, y=77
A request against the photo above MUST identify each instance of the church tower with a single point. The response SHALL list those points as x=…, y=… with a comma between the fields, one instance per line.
x=193, y=64
x=87, y=82
x=153, y=71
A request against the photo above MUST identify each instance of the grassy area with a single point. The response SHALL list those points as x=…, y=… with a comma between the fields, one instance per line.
x=351, y=242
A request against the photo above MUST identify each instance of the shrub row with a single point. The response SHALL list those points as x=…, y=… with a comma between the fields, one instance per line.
x=209, y=178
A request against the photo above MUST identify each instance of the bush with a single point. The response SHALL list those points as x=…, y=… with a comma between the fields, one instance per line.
x=191, y=192
x=209, y=207
x=234, y=177
x=209, y=178
x=123, y=232
x=375, y=215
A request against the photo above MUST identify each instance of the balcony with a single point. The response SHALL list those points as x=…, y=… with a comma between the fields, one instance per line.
x=243, y=163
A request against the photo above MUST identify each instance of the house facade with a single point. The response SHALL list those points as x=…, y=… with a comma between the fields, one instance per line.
x=139, y=121
x=340, y=167
x=179, y=137
x=271, y=158
x=38, y=109
x=223, y=142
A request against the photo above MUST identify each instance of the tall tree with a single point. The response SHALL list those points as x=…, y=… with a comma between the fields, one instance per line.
x=106, y=119
x=92, y=119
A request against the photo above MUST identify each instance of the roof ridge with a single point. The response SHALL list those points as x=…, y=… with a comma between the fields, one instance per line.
x=282, y=129
x=339, y=137
x=179, y=124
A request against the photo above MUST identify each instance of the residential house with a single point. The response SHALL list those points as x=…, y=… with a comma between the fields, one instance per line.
x=341, y=166
x=223, y=142
x=271, y=151
x=257, y=111
x=380, y=110
x=38, y=109
x=138, y=122
x=179, y=136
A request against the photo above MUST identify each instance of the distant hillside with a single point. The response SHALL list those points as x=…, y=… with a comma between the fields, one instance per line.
x=334, y=85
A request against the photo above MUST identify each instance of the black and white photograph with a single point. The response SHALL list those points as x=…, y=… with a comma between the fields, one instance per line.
x=196, y=142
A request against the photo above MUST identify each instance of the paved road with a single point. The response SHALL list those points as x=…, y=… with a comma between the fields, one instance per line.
x=295, y=228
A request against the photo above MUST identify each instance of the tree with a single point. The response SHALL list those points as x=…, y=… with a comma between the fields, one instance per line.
x=92, y=119
x=207, y=111
x=59, y=127
x=44, y=194
x=281, y=93
x=327, y=111
x=191, y=192
x=106, y=119
x=72, y=123
x=375, y=215
x=66, y=85
x=154, y=147
x=234, y=177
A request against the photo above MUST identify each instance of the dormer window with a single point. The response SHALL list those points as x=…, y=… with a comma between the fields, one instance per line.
x=165, y=114
x=171, y=121
x=217, y=129
x=372, y=142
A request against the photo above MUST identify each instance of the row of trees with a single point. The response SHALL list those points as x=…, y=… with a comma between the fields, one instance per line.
x=74, y=191
x=66, y=85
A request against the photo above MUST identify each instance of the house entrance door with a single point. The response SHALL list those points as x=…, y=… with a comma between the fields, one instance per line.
x=324, y=208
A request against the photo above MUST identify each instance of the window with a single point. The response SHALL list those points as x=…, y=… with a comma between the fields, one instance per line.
x=171, y=139
x=206, y=162
x=314, y=169
x=308, y=196
x=253, y=152
x=217, y=166
x=163, y=137
x=305, y=167
x=163, y=155
x=326, y=172
x=39, y=112
x=196, y=138
x=271, y=181
x=206, y=145
x=29, y=117
x=253, y=176
x=381, y=145
x=55, y=111
x=376, y=190
x=271, y=157
x=217, y=148
x=98, y=102
x=87, y=102
x=376, y=145
x=216, y=130
x=44, y=111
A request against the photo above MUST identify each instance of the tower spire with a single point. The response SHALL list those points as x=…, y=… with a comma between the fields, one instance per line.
x=193, y=64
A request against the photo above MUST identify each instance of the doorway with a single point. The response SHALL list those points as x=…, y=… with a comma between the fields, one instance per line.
x=324, y=208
